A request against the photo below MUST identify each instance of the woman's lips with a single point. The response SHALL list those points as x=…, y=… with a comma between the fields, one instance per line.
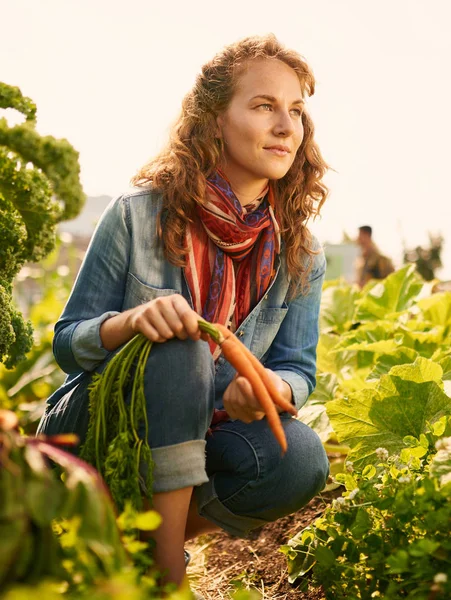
x=278, y=150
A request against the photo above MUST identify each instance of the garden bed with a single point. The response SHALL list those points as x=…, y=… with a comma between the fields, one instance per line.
x=222, y=563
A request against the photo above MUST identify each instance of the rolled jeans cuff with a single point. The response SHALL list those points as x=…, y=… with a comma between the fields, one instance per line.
x=179, y=466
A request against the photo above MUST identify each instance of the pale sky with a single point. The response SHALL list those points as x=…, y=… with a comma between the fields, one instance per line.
x=110, y=75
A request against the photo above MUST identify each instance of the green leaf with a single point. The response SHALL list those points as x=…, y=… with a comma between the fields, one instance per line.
x=326, y=386
x=421, y=371
x=325, y=557
x=437, y=308
x=337, y=307
x=397, y=407
x=300, y=554
x=385, y=362
x=315, y=416
x=369, y=472
x=423, y=547
x=392, y=295
x=439, y=427
x=330, y=361
x=362, y=524
x=398, y=562
x=445, y=363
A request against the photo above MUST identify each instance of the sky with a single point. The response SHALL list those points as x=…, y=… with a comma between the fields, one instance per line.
x=110, y=75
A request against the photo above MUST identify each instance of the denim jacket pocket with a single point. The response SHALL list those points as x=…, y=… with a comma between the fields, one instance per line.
x=267, y=325
x=138, y=292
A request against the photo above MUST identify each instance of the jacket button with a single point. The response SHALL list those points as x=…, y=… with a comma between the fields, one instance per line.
x=240, y=334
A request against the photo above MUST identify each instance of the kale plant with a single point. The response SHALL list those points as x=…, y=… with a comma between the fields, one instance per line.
x=39, y=187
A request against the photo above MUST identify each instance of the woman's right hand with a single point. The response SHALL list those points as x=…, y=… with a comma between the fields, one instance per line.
x=164, y=318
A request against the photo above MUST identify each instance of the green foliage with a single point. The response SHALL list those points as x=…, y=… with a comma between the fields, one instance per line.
x=39, y=186
x=62, y=528
x=365, y=334
x=112, y=442
x=384, y=383
x=42, y=292
x=403, y=403
x=58, y=528
x=387, y=536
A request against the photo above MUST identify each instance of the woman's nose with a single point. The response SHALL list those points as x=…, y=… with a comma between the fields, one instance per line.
x=284, y=124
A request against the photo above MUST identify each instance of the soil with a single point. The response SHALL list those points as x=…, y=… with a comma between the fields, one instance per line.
x=221, y=563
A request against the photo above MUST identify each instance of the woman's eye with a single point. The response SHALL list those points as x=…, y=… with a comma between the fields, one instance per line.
x=266, y=106
x=297, y=112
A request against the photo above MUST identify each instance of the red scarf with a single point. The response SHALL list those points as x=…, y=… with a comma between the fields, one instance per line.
x=231, y=254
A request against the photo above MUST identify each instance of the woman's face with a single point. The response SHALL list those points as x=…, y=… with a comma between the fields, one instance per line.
x=262, y=127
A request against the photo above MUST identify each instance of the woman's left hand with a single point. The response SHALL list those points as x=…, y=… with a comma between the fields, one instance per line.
x=240, y=401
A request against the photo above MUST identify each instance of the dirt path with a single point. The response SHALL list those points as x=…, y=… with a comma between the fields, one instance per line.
x=222, y=563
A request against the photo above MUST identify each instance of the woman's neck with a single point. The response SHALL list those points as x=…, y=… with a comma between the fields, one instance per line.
x=245, y=190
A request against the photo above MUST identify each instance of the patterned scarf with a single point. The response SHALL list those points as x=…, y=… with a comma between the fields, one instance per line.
x=231, y=254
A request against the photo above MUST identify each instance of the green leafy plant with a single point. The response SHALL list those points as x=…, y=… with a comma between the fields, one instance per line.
x=364, y=334
x=39, y=186
x=387, y=536
x=58, y=527
x=39, y=512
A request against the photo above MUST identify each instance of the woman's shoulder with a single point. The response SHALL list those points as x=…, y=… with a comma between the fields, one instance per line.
x=140, y=195
x=142, y=202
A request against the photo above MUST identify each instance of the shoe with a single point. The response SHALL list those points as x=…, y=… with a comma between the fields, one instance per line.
x=187, y=557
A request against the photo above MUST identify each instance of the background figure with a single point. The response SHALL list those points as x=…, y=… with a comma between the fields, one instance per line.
x=372, y=264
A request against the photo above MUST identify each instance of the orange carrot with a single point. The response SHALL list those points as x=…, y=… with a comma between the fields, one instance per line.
x=233, y=352
x=270, y=386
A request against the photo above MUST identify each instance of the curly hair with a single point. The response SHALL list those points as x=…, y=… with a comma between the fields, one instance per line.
x=193, y=152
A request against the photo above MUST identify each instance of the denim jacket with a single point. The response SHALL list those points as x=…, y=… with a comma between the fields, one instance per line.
x=125, y=266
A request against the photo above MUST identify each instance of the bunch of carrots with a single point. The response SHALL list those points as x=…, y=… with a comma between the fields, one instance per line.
x=112, y=442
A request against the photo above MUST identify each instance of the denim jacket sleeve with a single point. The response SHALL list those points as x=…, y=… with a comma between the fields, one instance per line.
x=293, y=351
x=97, y=294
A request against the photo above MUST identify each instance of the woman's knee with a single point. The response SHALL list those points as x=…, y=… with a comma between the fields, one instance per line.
x=179, y=390
x=285, y=484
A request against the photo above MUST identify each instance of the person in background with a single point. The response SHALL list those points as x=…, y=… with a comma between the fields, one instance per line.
x=372, y=264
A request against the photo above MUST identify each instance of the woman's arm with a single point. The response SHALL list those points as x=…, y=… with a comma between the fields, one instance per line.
x=97, y=294
x=92, y=324
x=292, y=354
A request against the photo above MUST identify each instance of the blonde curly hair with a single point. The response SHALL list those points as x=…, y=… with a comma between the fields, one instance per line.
x=193, y=152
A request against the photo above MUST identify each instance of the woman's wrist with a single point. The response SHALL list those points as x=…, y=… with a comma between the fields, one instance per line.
x=117, y=330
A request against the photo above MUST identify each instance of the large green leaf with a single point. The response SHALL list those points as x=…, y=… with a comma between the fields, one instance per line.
x=394, y=294
x=403, y=403
x=326, y=386
x=315, y=416
x=330, y=361
x=437, y=308
x=337, y=307
x=445, y=363
x=367, y=334
x=386, y=361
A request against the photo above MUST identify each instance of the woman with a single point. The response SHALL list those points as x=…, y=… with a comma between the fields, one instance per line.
x=217, y=228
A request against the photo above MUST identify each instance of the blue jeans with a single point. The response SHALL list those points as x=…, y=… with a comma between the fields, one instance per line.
x=241, y=480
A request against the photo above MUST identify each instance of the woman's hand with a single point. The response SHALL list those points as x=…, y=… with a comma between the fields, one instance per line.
x=240, y=401
x=159, y=320
x=164, y=318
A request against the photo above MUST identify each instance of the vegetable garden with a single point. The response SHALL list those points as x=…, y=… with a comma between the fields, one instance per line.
x=382, y=408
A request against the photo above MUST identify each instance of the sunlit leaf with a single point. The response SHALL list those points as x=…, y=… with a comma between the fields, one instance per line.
x=386, y=361
x=392, y=295
x=403, y=403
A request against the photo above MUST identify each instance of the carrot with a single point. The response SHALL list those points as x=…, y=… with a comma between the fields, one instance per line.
x=274, y=392
x=233, y=352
